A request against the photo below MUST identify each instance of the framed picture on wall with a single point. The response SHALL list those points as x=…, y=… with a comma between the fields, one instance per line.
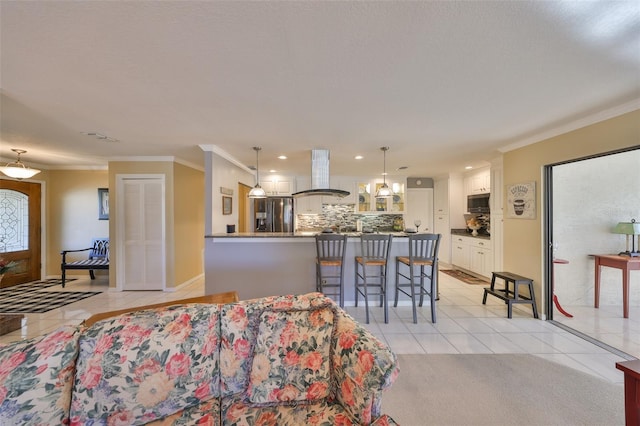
x=103, y=203
x=227, y=203
x=521, y=201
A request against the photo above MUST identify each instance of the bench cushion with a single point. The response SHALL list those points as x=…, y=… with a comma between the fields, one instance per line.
x=87, y=264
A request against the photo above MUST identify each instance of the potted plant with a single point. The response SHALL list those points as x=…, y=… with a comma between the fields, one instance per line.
x=5, y=266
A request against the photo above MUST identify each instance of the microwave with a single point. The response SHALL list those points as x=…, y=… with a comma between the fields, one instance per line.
x=478, y=203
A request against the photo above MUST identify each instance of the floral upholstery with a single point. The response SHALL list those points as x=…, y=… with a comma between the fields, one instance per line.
x=291, y=356
x=281, y=337
x=145, y=366
x=36, y=378
x=286, y=360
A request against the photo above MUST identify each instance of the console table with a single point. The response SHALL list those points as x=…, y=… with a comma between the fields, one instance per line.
x=631, y=371
x=626, y=264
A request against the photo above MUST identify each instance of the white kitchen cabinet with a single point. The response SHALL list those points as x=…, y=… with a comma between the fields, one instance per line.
x=481, y=257
x=419, y=207
x=479, y=182
x=441, y=226
x=441, y=196
x=308, y=205
x=472, y=254
x=345, y=184
x=278, y=185
x=368, y=202
x=459, y=252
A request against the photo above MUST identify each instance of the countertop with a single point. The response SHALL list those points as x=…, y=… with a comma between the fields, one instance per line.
x=463, y=232
x=308, y=234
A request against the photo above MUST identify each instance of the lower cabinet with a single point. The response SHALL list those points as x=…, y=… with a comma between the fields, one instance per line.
x=460, y=252
x=473, y=254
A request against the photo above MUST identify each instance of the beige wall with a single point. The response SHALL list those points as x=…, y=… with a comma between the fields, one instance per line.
x=523, y=239
x=189, y=223
x=71, y=215
x=71, y=221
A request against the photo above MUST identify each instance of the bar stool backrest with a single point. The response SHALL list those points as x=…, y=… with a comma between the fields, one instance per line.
x=375, y=246
x=424, y=248
x=331, y=247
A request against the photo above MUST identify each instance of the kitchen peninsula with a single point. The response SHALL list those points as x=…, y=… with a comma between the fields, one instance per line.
x=264, y=264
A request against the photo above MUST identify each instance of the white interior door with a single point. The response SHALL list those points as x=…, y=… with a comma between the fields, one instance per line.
x=141, y=221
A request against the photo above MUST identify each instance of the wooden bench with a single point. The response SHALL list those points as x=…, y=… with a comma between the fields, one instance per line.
x=511, y=296
x=98, y=259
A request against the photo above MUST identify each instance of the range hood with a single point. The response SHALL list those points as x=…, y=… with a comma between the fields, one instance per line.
x=320, y=177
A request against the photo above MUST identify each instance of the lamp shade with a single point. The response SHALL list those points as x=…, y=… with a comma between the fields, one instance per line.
x=627, y=228
x=257, y=192
x=17, y=169
x=384, y=191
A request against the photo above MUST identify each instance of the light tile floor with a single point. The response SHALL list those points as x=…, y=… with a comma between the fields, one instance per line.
x=463, y=325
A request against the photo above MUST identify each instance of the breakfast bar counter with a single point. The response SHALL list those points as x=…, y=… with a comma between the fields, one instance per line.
x=264, y=264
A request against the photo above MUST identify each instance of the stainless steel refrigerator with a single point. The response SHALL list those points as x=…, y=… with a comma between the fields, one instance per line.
x=273, y=214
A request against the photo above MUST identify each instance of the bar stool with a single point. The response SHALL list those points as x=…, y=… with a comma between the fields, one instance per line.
x=422, y=264
x=371, y=270
x=330, y=260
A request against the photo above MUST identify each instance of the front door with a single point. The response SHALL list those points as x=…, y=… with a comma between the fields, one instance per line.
x=20, y=230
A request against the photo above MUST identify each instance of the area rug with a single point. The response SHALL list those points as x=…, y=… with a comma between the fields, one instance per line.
x=499, y=389
x=34, y=298
x=464, y=277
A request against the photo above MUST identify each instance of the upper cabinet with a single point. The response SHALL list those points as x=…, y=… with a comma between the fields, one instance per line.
x=368, y=202
x=345, y=184
x=478, y=182
x=441, y=196
x=278, y=185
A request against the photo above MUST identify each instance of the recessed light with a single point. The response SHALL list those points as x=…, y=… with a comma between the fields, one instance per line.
x=359, y=157
x=272, y=171
x=468, y=167
x=282, y=157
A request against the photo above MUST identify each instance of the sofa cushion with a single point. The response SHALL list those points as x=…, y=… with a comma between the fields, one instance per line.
x=240, y=327
x=36, y=377
x=147, y=365
x=291, y=355
x=236, y=413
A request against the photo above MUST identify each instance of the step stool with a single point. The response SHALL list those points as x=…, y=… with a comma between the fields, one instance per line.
x=510, y=297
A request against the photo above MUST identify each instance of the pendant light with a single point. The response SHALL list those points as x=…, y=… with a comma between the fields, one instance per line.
x=17, y=169
x=257, y=191
x=384, y=191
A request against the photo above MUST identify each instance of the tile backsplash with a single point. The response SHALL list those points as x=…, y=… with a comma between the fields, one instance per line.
x=343, y=216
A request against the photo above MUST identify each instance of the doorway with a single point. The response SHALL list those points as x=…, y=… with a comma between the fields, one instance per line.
x=585, y=199
x=20, y=234
x=141, y=232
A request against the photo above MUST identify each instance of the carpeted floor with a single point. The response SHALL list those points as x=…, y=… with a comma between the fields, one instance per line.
x=503, y=389
x=464, y=277
x=34, y=298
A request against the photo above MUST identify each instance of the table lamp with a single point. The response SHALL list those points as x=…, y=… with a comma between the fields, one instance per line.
x=629, y=229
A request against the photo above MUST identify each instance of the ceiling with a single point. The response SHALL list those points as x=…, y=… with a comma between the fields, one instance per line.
x=443, y=84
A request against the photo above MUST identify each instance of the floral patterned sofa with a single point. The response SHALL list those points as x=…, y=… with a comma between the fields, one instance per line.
x=289, y=360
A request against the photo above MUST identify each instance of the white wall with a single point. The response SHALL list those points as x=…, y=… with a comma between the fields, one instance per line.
x=589, y=198
x=221, y=173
